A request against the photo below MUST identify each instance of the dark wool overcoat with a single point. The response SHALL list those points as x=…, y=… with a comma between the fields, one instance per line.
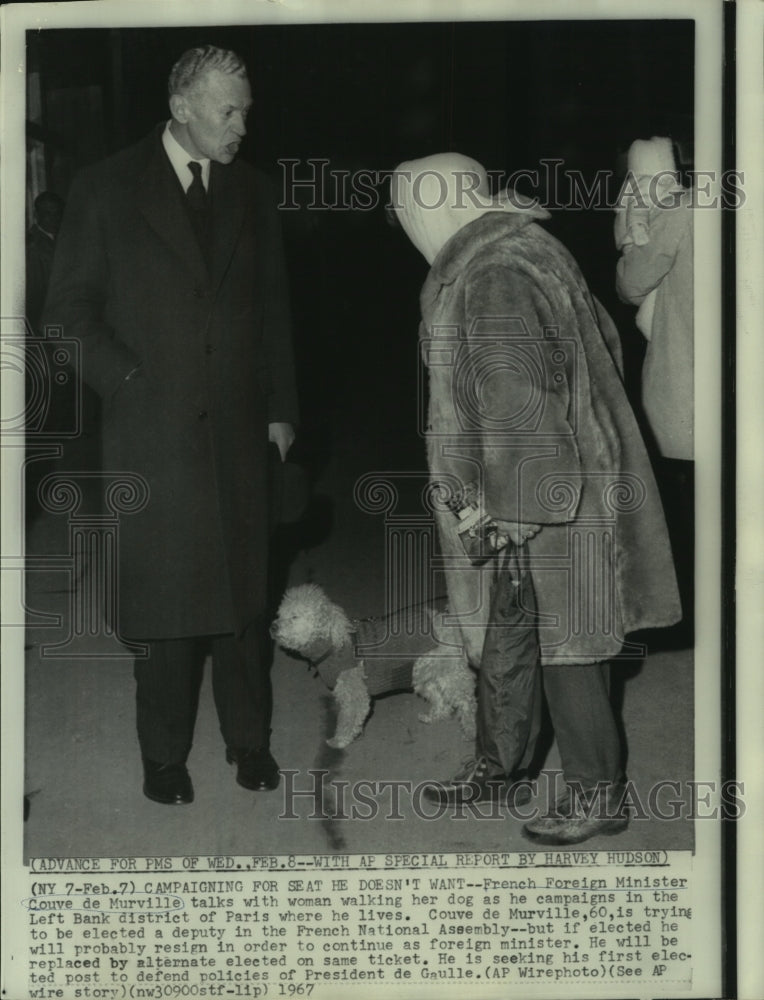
x=526, y=399
x=215, y=355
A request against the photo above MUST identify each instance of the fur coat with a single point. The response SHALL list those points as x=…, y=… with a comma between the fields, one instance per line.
x=526, y=399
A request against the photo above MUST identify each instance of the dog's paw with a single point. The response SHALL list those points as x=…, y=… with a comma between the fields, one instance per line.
x=353, y=702
x=469, y=729
x=338, y=742
x=467, y=717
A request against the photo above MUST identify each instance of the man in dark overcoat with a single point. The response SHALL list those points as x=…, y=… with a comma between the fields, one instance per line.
x=170, y=273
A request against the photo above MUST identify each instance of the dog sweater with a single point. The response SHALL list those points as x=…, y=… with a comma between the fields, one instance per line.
x=387, y=647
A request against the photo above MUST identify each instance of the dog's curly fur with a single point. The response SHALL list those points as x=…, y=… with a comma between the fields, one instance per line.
x=354, y=703
x=306, y=616
x=309, y=624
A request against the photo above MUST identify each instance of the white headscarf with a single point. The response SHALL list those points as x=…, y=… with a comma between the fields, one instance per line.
x=438, y=195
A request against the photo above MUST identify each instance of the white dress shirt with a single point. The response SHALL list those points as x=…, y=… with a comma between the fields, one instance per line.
x=179, y=159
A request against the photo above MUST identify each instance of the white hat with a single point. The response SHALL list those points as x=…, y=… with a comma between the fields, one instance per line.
x=648, y=157
x=438, y=195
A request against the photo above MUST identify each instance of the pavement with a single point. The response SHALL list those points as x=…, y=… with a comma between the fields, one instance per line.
x=82, y=765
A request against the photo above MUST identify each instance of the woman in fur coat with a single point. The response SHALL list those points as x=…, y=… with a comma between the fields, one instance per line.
x=527, y=401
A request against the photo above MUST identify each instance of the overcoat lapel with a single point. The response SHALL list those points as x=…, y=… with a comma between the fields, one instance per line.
x=228, y=203
x=160, y=199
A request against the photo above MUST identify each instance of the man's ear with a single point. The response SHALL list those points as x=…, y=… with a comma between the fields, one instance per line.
x=179, y=108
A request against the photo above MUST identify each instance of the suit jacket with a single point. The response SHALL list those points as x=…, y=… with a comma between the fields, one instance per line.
x=215, y=355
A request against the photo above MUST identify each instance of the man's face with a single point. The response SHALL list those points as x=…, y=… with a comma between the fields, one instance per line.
x=49, y=217
x=213, y=115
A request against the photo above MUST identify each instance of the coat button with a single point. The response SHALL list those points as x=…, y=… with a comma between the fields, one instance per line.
x=208, y=348
x=202, y=414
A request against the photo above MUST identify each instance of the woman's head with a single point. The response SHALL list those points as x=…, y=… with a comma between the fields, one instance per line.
x=438, y=195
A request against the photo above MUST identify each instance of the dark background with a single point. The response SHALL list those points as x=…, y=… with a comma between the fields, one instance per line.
x=509, y=94
x=369, y=96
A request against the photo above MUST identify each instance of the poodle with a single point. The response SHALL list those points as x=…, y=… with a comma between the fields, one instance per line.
x=423, y=655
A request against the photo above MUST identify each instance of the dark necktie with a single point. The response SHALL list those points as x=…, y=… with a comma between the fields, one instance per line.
x=199, y=206
x=197, y=196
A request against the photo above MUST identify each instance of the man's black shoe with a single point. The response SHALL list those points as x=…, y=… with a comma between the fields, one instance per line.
x=477, y=782
x=168, y=784
x=255, y=769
